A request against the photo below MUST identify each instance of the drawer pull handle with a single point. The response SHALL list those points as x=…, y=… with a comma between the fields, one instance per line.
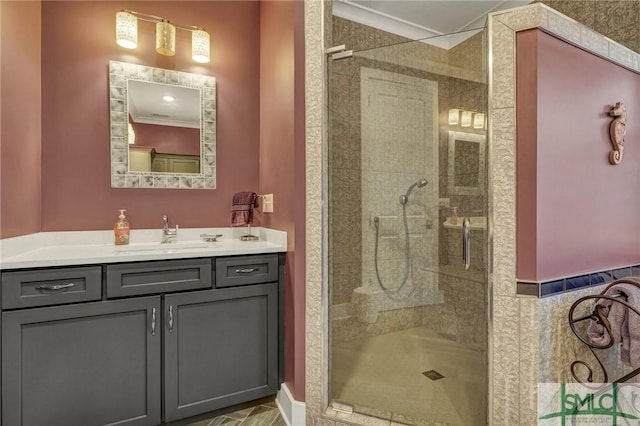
x=170, y=319
x=153, y=322
x=55, y=287
x=246, y=270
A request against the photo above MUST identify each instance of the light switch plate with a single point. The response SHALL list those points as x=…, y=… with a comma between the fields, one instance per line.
x=267, y=203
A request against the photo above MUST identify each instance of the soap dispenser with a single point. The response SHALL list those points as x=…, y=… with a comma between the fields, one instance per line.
x=121, y=230
x=454, y=216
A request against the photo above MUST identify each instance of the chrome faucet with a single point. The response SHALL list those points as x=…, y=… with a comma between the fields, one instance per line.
x=168, y=235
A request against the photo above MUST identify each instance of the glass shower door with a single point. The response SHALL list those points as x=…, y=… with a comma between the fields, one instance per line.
x=408, y=318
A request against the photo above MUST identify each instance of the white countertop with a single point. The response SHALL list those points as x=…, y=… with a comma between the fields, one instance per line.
x=94, y=247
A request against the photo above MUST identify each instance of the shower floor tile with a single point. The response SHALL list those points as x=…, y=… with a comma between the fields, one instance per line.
x=386, y=372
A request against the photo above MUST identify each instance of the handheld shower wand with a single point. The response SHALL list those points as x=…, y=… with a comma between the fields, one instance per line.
x=376, y=220
x=420, y=184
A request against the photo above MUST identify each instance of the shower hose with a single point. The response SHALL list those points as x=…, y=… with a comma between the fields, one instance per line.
x=376, y=221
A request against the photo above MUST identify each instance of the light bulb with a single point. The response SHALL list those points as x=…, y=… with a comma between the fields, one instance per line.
x=126, y=30
x=165, y=38
x=465, y=121
x=454, y=116
x=478, y=120
x=200, y=46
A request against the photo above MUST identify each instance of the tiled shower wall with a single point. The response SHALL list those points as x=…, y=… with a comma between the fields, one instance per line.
x=460, y=84
x=618, y=20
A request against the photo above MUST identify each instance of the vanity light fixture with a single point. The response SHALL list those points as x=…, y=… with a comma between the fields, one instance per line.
x=478, y=120
x=465, y=120
x=454, y=116
x=127, y=35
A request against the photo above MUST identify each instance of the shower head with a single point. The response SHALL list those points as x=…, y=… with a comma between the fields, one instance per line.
x=420, y=184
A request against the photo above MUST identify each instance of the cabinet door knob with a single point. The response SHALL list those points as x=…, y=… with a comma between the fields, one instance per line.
x=153, y=322
x=54, y=287
x=170, y=319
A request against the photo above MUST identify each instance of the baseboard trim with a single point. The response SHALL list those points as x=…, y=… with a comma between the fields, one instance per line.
x=294, y=412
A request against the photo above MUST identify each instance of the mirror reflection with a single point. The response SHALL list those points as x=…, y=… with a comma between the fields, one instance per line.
x=164, y=127
x=466, y=163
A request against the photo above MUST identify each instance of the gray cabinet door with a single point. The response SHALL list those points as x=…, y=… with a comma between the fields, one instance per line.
x=90, y=364
x=221, y=348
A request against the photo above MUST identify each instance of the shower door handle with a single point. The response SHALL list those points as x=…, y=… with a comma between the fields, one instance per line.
x=466, y=243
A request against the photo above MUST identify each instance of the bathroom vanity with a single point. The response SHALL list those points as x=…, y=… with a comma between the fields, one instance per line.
x=152, y=334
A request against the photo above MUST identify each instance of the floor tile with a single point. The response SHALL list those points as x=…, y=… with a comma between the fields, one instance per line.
x=240, y=414
x=226, y=421
x=264, y=413
x=279, y=421
x=261, y=416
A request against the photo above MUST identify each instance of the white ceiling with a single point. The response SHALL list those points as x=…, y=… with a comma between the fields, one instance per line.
x=436, y=20
x=147, y=106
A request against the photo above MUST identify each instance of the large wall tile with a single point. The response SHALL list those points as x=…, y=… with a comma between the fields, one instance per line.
x=506, y=362
x=563, y=27
x=503, y=179
x=529, y=352
x=502, y=44
x=524, y=19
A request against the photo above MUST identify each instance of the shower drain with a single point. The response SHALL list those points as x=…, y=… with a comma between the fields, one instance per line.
x=433, y=375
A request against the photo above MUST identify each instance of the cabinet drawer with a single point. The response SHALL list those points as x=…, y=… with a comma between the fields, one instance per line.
x=132, y=279
x=25, y=289
x=244, y=270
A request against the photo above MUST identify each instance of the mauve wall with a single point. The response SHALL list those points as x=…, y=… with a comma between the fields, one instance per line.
x=168, y=139
x=20, y=114
x=282, y=171
x=77, y=44
x=586, y=209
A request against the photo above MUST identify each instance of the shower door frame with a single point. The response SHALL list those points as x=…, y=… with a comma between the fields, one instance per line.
x=479, y=76
x=513, y=335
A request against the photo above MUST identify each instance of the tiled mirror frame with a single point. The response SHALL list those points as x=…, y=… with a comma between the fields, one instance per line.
x=121, y=177
x=514, y=320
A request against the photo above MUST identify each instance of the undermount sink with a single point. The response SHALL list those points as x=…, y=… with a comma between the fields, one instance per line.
x=160, y=247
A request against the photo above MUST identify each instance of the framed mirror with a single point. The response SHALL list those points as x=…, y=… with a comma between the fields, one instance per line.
x=466, y=163
x=163, y=128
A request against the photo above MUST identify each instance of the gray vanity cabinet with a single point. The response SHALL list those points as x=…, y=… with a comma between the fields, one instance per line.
x=81, y=365
x=169, y=340
x=221, y=348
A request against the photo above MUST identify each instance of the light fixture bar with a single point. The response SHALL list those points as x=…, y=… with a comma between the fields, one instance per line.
x=144, y=16
x=127, y=34
x=154, y=18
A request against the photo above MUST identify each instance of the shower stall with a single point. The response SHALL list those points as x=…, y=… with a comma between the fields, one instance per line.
x=407, y=243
